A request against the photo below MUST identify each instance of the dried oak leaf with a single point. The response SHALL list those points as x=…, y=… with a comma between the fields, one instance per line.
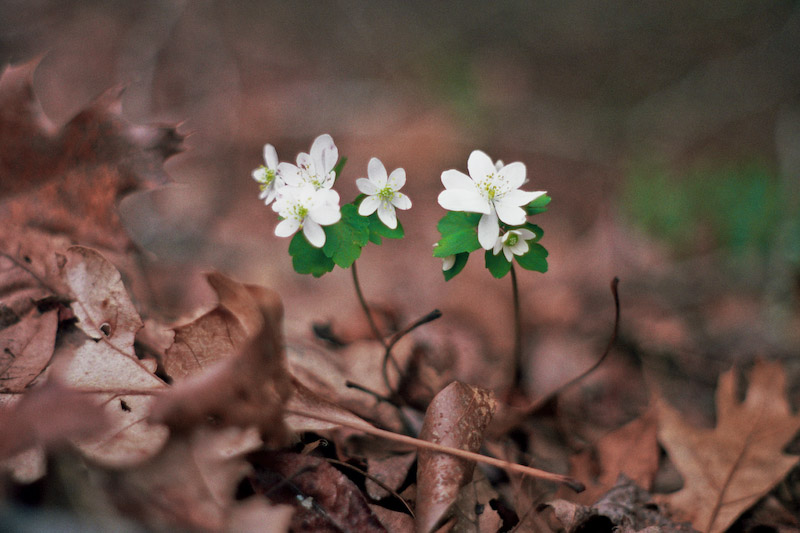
x=219, y=333
x=457, y=417
x=729, y=468
x=631, y=450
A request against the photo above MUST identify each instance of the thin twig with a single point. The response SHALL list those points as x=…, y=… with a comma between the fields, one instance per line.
x=540, y=402
x=375, y=331
x=387, y=356
x=377, y=481
x=572, y=483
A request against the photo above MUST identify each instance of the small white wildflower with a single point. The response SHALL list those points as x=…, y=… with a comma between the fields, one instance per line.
x=513, y=242
x=382, y=192
x=267, y=175
x=307, y=208
x=314, y=169
x=493, y=193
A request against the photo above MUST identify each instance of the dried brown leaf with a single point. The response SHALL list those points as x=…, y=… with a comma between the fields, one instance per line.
x=730, y=467
x=457, y=417
x=325, y=500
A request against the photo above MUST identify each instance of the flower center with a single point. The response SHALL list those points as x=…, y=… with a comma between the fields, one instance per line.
x=386, y=194
x=493, y=186
x=512, y=239
x=298, y=211
x=268, y=178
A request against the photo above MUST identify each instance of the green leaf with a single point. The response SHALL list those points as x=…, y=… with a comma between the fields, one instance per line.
x=538, y=205
x=306, y=259
x=345, y=239
x=498, y=265
x=461, y=262
x=535, y=259
x=459, y=234
x=378, y=229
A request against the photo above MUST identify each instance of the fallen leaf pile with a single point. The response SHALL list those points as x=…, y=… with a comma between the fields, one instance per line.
x=218, y=423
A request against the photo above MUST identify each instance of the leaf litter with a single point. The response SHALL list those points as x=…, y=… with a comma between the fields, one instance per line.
x=201, y=425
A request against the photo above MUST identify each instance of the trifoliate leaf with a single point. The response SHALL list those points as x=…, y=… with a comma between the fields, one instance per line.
x=459, y=234
x=498, y=265
x=378, y=229
x=344, y=240
x=535, y=259
x=539, y=205
x=307, y=259
x=458, y=266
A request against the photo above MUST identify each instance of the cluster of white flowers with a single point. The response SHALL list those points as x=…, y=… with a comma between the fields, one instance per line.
x=494, y=191
x=303, y=195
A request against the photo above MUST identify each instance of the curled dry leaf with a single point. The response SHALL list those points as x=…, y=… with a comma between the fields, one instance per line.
x=457, y=417
x=220, y=333
x=249, y=389
x=729, y=468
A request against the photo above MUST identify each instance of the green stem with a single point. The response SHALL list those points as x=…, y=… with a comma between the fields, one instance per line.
x=517, y=330
x=375, y=331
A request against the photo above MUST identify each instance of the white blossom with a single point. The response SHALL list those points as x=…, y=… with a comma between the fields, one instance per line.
x=316, y=168
x=307, y=208
x=383, y=192
x=513, y=242
x=490, y=191
x=267, y=175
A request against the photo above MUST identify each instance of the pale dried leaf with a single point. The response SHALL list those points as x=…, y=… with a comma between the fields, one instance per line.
x=457, y=417
x=26, y=349
x=729, y=468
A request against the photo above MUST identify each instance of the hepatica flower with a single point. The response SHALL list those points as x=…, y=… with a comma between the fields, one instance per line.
x=513, y=242
x=494, y=192
x=316, y=168
x=307, y=208
x=267, y=175
x=382, y=193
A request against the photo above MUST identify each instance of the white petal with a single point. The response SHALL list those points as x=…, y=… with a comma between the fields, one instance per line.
x=270, y=156
x=270, y=195
x=387, y=215
x=526, y=234
x=314, y=233
x=498, y=245
x=480, y=165
x=507, y=252
x=401, y=201
x=290, y=174
x=366, y=186
x=329, y=197
x=325, y=215
x=521, y=248
x=488, y=229
x=259, y=174
x=377, y=173
x=463, y=200
x=514, y=173
x=397, y=179
x=518, y=197
x=304, y=161
x=368, y=205
x=287, y=227
x=448, y=262
x=455, y=179
x=324, y=153
x=510, y=214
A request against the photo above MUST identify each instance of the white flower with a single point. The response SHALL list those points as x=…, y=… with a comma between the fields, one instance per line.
x=487, y=190
x=514, y=242
x=382, y=192
x=307, y=208
x=315, y=169
x=267, y=175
